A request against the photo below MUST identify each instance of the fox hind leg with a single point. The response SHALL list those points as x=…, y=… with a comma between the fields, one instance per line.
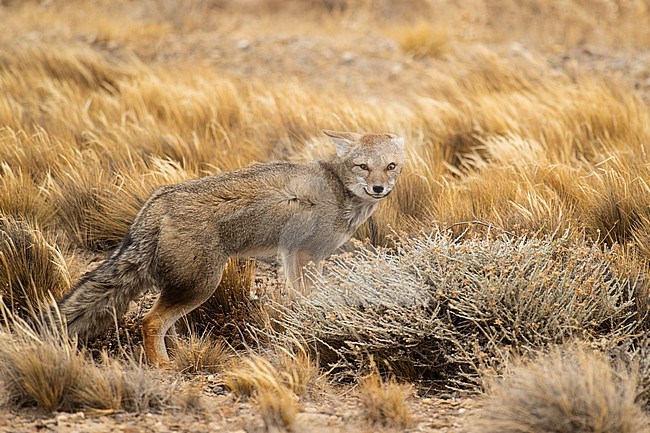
x=177, y=298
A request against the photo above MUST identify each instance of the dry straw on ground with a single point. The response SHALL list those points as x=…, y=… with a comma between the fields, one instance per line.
x=276, y=389
x=200, y=354
x=40, y=366
x=294, y=370
x=32, y=267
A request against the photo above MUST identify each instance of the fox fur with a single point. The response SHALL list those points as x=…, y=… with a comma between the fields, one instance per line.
x=182, y=237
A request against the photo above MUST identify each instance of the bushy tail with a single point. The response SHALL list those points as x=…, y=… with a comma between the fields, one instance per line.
x=105, y=292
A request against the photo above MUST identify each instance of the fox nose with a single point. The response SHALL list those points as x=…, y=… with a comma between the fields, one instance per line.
x=377, y=189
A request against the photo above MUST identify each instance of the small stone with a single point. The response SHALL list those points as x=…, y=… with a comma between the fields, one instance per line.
x=348, y=57
x=243, y=44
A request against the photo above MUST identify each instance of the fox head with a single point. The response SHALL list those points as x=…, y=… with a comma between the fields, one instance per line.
x=373, y=162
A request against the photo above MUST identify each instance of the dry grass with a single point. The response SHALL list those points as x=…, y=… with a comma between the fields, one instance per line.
x=250, y=375
x=508, y=133
x=200, y=354
x=572, y=390
x=22, y=197
x=41, y=367
x=94, y=164
x=384, y=403
x=114, y=386
x=298, y=370
x=293, y=369
x=423, y=40
x=274, y=389
x=40, y=374
x=32, y=267
x=278, y=409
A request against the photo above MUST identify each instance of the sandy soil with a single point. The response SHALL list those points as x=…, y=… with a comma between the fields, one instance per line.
x=329, y=414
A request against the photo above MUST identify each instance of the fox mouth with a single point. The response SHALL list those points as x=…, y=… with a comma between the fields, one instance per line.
x=377, y=196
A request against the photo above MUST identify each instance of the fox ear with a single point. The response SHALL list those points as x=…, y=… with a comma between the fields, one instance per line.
x=399, y=141
x=344, y=141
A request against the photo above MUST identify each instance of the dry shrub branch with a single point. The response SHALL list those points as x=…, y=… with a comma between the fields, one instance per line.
x=448, y=308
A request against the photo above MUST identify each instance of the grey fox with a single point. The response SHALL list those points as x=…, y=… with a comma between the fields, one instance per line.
x=184, y=234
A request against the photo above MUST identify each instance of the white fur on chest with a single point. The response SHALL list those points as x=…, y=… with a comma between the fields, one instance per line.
x=358, y=213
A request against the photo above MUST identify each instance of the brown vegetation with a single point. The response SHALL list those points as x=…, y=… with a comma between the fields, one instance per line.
x=42, y=367
x=526, y=125
x=571, y=390
x=199, y=354
x=33, y=270
x=274, y=388
x=384, y=403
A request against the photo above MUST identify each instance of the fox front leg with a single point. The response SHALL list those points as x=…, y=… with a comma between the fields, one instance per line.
x=292, y=271
x=295, y=272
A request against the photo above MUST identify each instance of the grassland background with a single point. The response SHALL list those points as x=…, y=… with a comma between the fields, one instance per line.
x=520, y=118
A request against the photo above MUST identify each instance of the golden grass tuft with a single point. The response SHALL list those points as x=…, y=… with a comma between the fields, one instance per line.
x=572, y=390
x=22, y=197
x=41, y=374
x=423, y=39
x=274, y=389
x=41, y=367
x=200, y=354
x=384, y=403
x=278, y=408
x=103, y=387
x=298, y=370
x=290, y=366
x=251, y=375
x=32, y=267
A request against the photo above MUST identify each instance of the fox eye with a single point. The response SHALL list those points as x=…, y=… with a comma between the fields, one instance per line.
x=363, y=167
x=391, y=166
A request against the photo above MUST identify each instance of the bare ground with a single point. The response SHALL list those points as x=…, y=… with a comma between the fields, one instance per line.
x=329, y=414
